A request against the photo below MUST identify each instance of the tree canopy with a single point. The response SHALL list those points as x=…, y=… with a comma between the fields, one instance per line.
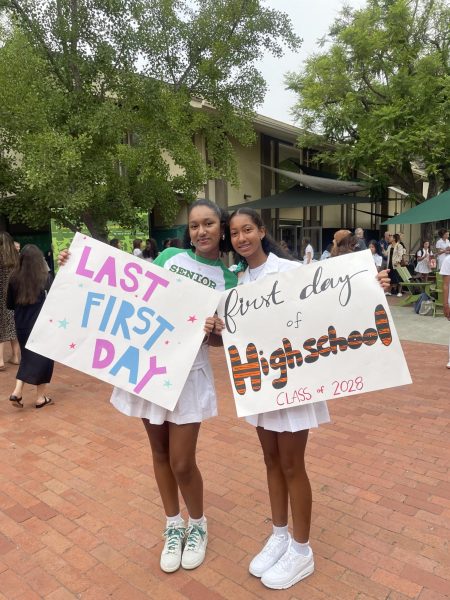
x=379, y=92
x=97, y=119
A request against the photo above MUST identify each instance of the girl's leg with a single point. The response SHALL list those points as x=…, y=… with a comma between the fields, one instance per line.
x=182, y=450
x=15, y=348
x=183, y=445
x=2, y=360
x=292, y=458
x=41, y=399
x=276, y=482
x=278, y=542
x=298, y=560
x=158, y=436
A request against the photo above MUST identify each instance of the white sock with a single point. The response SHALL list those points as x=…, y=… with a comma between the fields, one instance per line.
x=281, y=531
x=197, y=521
x=303, y=549
x=174, y=519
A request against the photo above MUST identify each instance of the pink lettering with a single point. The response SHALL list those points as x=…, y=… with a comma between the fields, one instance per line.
x=81, y=269
x=156, y=280
x=108, y=270
x=153, y=370
x=135, y=284
x=99, y=362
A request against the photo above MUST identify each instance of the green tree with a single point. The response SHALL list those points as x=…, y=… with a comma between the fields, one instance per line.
x=99, y=99
x=380, y=93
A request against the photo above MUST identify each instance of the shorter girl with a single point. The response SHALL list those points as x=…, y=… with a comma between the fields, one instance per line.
x=423, y=256
x=27, y=290
x=377, y=258
x=137, y=248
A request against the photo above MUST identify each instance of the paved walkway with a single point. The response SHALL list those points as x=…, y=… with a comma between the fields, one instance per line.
x=80, y=515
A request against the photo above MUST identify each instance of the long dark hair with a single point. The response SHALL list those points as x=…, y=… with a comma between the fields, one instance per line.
x=224, y=244
x=151, y=249
x=268, y=243
x=30, y=277
x=9, y=257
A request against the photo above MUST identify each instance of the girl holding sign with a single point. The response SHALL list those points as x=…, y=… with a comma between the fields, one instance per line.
x=283, y=434
x=173, y=434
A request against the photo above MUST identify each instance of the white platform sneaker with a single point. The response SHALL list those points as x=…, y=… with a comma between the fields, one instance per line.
x=171, y=554
x=273, y=550
x=291, y=568
x=195, y=545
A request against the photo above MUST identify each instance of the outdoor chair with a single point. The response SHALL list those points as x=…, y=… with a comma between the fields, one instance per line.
x=411, y=285
x=437, y=292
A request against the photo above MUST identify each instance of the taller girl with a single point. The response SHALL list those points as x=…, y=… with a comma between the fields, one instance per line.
x=283, y=434
x=173, y=434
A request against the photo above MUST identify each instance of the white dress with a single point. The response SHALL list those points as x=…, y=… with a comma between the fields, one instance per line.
x=308, y=250
x=442, y=245
x=197, y=401
x=423, y=266
x=295, y=418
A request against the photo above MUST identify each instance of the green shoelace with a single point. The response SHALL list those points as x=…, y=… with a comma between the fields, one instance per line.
x=174, y=537
x=194, y=536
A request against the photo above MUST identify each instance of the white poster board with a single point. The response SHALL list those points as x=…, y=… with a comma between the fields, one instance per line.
x=123, y=320
x=313, y=333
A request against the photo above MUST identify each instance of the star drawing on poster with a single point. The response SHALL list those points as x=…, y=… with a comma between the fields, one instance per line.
x=63, y=323
x=192, y=319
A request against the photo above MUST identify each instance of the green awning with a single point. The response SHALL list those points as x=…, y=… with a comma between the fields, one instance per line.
x=434, y=209
x=298, y=197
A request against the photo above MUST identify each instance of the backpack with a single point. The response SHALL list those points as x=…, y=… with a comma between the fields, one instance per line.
x=418, y=303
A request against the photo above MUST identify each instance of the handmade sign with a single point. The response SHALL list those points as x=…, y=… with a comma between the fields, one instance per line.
x=123, y=320
x=313, y=333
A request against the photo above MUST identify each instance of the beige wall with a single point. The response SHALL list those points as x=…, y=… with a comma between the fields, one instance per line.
x=249, y=173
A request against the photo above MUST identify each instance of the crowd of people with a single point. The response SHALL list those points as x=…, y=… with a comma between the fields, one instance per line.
x=286, y=558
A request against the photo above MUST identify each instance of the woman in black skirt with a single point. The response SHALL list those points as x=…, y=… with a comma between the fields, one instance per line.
x=27, y=290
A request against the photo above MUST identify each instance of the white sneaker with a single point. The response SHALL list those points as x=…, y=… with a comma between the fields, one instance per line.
x=399, y=295
x=387, y=294
x=273, y=550
x=448, y=365
x=291, y=568
x=195, y=546
x=171, y=554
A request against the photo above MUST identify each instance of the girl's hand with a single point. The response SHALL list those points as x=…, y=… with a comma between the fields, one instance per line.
x=383, y=278
x=63, y=257
x=219, y=325
x=209, y=325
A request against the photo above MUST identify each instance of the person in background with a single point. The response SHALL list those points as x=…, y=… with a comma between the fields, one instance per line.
x=396, y=252
x=9, y=258
x=17, y=245
x=327, y=252
x=359, y=233
x=442, y=247
x=175, y=243
x=27, y=290
x=166, y=243
x=115, y=243
x=445, y=272
x=308, y=251
x=343, y=243
x=150, y=252
x=423, y=256
x=384, y=245
x=377, y=259
x=137, y=248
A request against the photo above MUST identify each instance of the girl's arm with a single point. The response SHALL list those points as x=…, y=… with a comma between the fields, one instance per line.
x=446, y=285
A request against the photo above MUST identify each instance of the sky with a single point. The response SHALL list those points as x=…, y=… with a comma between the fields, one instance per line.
x=311, y=20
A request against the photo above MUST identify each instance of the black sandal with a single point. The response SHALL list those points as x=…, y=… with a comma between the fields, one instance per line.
x=46, y=401
x=16, y=401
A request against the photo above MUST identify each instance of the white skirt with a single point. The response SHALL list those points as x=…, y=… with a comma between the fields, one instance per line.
x=196, y=403
x=423, y=267
x=296, y=418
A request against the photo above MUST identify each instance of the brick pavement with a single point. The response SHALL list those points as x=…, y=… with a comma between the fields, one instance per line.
x=80, y=515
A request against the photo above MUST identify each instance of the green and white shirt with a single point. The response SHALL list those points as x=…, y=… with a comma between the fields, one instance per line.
x=212, y=273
